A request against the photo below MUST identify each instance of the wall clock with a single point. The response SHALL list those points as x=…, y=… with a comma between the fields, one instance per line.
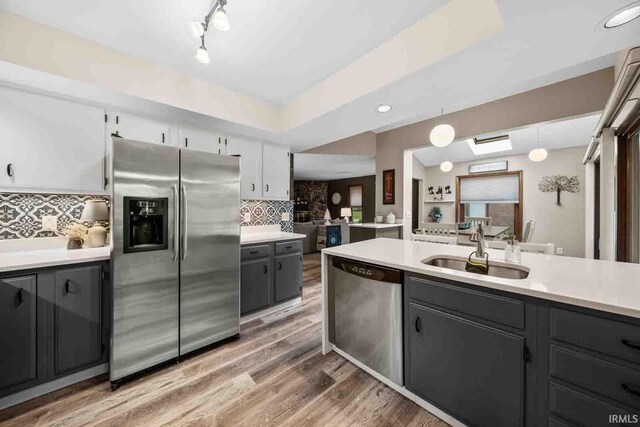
x=336, y=198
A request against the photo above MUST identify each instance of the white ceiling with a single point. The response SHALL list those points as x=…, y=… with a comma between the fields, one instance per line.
x=278, y=49
x=553, y=136
x=275, y=49
x=325, y=167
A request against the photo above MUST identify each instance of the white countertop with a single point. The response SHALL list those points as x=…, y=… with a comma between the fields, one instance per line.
x=28, y=259
x=266, y=233
x=608, y=286
x=375, y=225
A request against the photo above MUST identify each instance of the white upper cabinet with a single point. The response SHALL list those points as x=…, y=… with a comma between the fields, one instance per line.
x=275, y=172
x=250, y=153
x=50, y=144
x=138, y=128
x=197, y=139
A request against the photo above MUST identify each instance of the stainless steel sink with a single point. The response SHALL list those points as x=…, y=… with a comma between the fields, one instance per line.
x=496, y=268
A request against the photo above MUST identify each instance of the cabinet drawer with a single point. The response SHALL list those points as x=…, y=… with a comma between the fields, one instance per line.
x=608, y=379
x=582, y=409
x=258, y=251
x=288, y=247
x=606, y=336
x=505, y=311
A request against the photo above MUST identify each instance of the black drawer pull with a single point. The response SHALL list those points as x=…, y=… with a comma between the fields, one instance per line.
x=288, y=247
x=629, y=389
x=630, y=344
x=253, y=252
x=253, y=187
x=279, y=266
x=265, y=269
x=20, y=296
x=267, y=187
x=67, y=287
x=418, y=324
x=10, y=169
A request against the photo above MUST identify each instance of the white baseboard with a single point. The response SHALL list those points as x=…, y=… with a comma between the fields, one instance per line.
x=42, y=389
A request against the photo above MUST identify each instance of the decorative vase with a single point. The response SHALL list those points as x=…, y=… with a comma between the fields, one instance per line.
x=75, y=243
x=391, y=218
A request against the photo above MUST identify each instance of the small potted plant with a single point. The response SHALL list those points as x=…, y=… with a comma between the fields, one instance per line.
x=435, y=214
x=76, y=234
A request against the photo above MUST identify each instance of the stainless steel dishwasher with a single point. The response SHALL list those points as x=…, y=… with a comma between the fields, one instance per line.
x=367, y=315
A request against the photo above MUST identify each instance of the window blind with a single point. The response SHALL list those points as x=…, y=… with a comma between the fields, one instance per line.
x=490, y=189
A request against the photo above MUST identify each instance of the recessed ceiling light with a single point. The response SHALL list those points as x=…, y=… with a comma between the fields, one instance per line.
x=384, y=108
x=623, y=16
x=490, y=145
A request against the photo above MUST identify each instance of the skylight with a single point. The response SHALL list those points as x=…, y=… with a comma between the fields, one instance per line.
x=490, y=145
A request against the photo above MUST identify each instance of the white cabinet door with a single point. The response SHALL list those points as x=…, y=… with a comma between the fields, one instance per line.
x=50, y=143
x=250, y=153
x=139, y=128
x=275, y=172
x=197, y=139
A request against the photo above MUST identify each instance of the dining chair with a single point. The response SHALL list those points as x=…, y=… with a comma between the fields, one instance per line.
x=475, y=220
x=529, y=229
x=433, y=238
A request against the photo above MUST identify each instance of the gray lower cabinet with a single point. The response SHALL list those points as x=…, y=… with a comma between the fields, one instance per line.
x=18, y=357
x=256, y=285
x=465, y=367
x=491, y=358
x=77, y=318
x=270, y=273
x=53, y=322
x=288, y=277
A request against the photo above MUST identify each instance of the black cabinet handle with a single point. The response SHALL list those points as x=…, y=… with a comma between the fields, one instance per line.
x=267, y=187
x=265, y=269
x=630, y=344
x=20, y=296
x=186, y=142
x=10, y=169
x=629, y=389
x=253, y=252
x=163, y=137
x=418, y=324
x=67, y=287
x=279, y=266
x=253, y=187
x=288, y=247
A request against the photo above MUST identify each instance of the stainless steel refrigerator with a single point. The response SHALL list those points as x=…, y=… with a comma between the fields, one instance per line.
x=176, y=253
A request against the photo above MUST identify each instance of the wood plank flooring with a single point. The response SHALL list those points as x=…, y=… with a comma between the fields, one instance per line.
x=274, y=374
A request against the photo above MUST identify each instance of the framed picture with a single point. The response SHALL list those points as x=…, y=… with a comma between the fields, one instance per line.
x=501, y=165
x=389, y=187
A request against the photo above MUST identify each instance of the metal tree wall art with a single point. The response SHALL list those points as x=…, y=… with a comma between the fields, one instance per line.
x=559, y=183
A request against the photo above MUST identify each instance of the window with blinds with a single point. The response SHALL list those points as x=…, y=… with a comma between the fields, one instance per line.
x=490, y=189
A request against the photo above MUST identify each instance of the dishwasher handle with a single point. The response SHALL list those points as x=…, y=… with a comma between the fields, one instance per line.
x=368, y=271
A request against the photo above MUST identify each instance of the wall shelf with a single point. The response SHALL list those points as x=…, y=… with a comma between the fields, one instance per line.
x=439, y=201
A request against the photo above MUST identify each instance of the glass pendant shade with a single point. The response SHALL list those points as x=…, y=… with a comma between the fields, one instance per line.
x=202, y=55
x=196, y=29
x=538, y=154
x=446, y=166
x=442, y=135
x=220, y=20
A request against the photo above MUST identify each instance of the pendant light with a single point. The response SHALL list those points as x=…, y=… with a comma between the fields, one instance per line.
x=220, y=20
x=446, y=166
x=442, y=135
x=538, y=154
x=202, y=56
x=198, y=29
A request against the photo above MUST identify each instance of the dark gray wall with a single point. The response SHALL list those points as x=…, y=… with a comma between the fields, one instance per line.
x=368, y=184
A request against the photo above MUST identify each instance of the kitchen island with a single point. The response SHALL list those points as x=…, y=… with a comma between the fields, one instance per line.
x=559, y=346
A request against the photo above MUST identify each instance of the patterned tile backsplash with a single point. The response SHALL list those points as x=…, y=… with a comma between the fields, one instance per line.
x=21, y=214
x=267, y=212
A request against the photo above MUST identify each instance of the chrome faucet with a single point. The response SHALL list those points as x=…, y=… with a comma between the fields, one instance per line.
x=478, y=237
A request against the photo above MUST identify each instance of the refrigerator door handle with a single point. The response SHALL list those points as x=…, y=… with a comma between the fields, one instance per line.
x=176, y=222
x=184, y=222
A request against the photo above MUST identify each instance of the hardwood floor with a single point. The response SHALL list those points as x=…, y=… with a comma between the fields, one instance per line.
x=274, y=374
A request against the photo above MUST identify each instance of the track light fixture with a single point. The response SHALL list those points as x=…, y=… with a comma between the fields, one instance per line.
x=199, y=29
